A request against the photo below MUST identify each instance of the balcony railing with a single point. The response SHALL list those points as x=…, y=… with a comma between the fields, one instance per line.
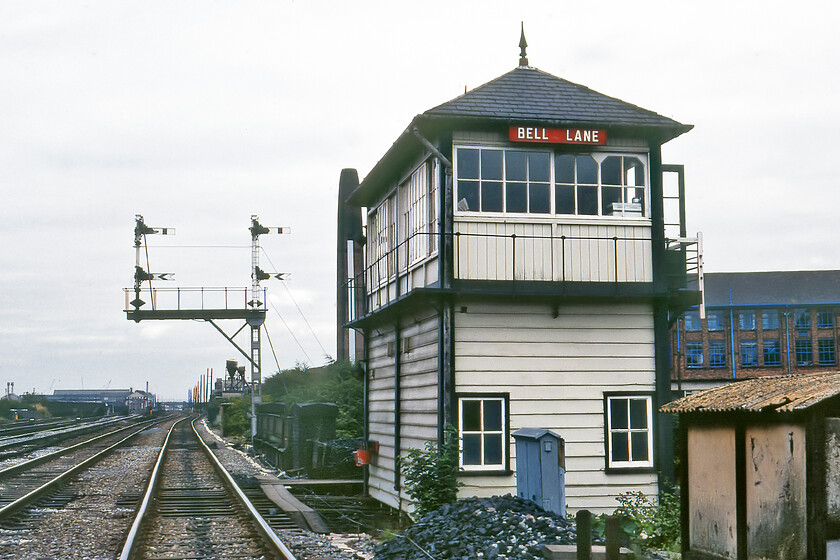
x=514, y=257
x=193, y=302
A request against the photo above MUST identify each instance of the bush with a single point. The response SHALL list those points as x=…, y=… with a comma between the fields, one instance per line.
x=235, y=422
x=648, y=524
x=431, y=476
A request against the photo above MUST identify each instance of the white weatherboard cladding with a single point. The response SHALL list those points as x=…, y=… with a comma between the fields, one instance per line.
x=418, y=354
x=556, y=370
x=546, y=250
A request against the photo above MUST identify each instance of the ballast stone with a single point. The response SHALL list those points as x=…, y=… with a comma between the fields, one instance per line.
x=499, y=528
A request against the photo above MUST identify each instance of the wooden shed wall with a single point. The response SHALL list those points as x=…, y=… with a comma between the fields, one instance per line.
x=711, y=490
x=557, y=370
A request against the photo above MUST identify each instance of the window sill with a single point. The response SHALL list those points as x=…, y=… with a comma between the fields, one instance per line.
x=628, y=470
x=496, y=472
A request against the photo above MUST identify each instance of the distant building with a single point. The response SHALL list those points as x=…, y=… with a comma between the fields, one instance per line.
x=114, y=399
x=757, y=324
x=139, y=401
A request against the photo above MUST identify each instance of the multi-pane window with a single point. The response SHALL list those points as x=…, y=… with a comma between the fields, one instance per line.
x=629, y=439
x=801, y=319
x=749, y=353
x=715, y=321
x=382, y=240
x=692, y=321
x=694, y=353
x=520, y=181
x=483, y=432
x=419, y=217
x=746, y=320
x=510, y=181
x=804, y=352
x=599, y=184
x=772, y=353
x=825, y=351
x=717, y=353
x=769, y=319
x=825, y=319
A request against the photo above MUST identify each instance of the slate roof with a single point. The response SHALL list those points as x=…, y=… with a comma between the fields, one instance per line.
x=525, y=95
x=787, y=393
x=529, y=94
x=772, y=288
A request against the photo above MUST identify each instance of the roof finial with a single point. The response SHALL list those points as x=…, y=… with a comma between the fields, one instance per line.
x=523, y=56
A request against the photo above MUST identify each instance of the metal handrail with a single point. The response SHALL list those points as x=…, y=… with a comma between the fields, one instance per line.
x=228, y=296
x=373, y=278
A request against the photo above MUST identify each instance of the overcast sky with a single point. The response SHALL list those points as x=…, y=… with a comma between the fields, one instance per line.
x=198, y=114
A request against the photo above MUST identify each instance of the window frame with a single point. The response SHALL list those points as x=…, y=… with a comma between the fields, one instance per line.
x=752, y=346
x=695, y=344
x=766, y=323
x=717, y=349
x=504, y=466
x=821, y=324
x=822, y=352
x=598, y=154
x=719, y=322
x=801, y=319
x=694, y=324
x=648, y=465
x=746, y=317
x=797, y=353
x=764, y=352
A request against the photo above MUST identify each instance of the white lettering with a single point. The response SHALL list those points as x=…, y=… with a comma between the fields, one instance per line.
x=568, y=138
x=544, y=135
x=577, y=135
x=595, y=136
x=529, y=133
x=587, y=136
x=520, y=132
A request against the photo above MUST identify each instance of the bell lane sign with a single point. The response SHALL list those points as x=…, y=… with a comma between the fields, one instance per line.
x=557, y=135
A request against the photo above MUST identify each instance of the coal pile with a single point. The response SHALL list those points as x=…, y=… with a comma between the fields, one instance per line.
x=497, y=528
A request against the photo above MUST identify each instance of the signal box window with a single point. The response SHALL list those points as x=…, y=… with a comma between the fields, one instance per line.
x=483, y=430
x=629, y=438
x=510, y=181
x=518, y=181
x=825, y=320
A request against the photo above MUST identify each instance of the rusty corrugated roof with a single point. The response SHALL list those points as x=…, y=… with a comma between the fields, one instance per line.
x=781, y=394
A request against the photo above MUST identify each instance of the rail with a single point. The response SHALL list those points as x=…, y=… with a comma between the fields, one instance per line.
x=194, y=299
x=132, y=539
x=30, y=496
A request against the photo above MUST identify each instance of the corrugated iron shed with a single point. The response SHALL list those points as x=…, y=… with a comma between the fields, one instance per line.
x=764, y=394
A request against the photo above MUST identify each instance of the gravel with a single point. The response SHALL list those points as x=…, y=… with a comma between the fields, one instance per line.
x=305, y=545
x=92, y=525
x=500, y=528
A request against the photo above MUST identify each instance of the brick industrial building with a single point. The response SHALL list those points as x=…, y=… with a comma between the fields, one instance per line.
x=757, y=324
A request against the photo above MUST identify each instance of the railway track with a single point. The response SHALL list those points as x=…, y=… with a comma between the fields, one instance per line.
x=36, y=438
x=23, y=484
x=193, y=509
